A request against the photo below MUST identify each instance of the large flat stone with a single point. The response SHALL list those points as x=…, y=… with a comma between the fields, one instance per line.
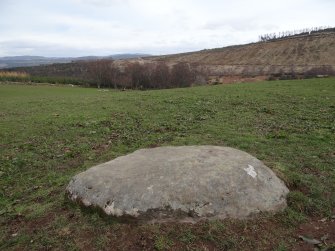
x=181, y=183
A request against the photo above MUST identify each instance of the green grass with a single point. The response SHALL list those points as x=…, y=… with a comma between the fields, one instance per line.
x=43, y=79
x=50, y=133
x=162, y=243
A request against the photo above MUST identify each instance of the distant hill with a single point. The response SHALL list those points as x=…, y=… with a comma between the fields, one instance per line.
x=129, y=56
x=298, y=53
x=27, y=61
x=24, y=61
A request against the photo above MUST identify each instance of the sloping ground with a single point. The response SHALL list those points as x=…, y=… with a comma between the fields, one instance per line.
x=301, y=53
x=298, y=55
x=31, y=61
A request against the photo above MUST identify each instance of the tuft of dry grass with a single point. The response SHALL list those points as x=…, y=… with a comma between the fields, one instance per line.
x=15, y=74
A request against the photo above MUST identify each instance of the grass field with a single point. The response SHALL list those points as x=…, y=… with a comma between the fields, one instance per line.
x=50, y=133
x=22, y=77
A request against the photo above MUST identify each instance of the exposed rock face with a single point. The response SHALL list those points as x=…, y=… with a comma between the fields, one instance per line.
x=181, y=184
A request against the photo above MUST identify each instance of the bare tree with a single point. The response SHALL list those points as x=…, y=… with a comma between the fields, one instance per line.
x=308, y=31
x=181, y=75
x=135, y=72
x=103, y=72
x=161, y=76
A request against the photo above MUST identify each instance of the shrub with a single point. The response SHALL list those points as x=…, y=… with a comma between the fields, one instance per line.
x=14, y=76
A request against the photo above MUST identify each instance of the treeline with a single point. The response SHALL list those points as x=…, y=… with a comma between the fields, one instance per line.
x=315, y=72
x=107, y=74
x=285, y=34
x=19, y=76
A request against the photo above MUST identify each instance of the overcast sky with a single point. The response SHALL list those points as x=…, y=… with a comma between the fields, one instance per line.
x=105, y=27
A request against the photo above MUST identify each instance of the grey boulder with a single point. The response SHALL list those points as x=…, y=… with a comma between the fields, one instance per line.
x=185, y=183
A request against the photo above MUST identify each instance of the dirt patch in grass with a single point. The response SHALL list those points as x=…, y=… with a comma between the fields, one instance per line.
x=64, y=228
x=320, y=230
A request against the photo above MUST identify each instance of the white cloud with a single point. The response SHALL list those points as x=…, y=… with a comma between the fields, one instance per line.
x=153, y=26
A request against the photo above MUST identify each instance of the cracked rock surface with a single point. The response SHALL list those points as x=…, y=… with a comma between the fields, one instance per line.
x=185, y=183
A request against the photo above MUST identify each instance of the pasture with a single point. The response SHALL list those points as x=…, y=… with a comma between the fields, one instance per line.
x=50, y=133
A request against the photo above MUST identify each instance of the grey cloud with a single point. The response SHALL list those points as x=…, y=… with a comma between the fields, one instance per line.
x=101, y=3
x=237, y=25
x=19, y=47
x=102, y=27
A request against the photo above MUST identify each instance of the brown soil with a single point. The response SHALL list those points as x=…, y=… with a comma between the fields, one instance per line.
x=322, y=230
x=297, y=54
x=258, y=233
x=318, y=50
x=83, y=231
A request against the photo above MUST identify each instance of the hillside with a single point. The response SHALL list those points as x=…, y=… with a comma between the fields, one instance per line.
x=290, y=57
x=29, y=61
x=301, y=53
x=26, y=61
